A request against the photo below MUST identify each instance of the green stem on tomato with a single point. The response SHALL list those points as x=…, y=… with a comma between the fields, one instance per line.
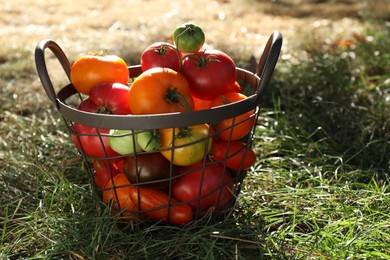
x=173, y=96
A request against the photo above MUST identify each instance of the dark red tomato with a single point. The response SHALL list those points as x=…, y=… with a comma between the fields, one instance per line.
x=158, y=206
x=111, y=98
x=213, y=183
x=237, y=155
x=150, y=170
x=210, y=73
x=104, y=170
x=88, y=142
x=161, y=54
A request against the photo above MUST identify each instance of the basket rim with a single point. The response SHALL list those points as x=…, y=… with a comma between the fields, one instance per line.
x=158, y=121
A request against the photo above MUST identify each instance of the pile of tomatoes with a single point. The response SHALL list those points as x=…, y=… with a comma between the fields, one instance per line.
x=167, y=174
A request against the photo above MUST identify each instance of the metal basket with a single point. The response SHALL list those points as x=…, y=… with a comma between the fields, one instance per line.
x=64, y=101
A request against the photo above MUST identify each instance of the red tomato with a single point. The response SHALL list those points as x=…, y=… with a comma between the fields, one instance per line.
x=90, y=70
x=161, y=54
x=118, y=191
x=89, y=143
x=104, y=171
x=205, y=189
x=209, y=73
x=160, y=90
x=237, y=155
x=233, y=128
x=111, y=98
x=158, y=206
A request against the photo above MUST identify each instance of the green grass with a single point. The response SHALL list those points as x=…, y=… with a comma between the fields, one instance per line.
x=320, y=188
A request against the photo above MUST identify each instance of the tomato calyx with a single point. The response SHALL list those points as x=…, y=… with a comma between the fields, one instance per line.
x=201, y=59
x=184, y=132
x=104, y=110
x=174, y=96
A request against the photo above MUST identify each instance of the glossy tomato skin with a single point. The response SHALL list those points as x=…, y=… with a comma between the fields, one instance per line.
x=157, y=205
x=104, y=170
x=89, y=143
x=118, y=192
x=150, y=167
x=87, y=140
x=233, y=128
x=189, y=38
x=161, y=54
x=213, y=183
x=92, y=69
x=210, y=73
x=187, y=145
x=235, y=154
x=154, y=92
x=111, y=98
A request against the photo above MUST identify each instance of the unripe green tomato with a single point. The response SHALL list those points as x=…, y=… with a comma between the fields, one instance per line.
x=123, y=141
x=148, y=141
x=188, y=38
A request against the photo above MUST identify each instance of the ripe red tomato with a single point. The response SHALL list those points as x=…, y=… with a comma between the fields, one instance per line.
x=92, y=69
x=205, y=189
x=237, y=155
x=161, y=54
x=158, y=206
x=111, y=98
x=104, y=171
x=160, y=90
x=233, y=128
x=118, y=192
x=209, y=73
x=89, y=143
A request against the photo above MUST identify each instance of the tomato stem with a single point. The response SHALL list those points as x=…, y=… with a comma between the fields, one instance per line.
x=104, y=110
x=173, y=96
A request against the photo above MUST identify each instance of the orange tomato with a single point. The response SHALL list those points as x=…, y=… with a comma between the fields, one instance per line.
x=200, y=104
x=158, y=206
x=92, y=69
x=118, y=192
x=160, y=90
x=236, y=127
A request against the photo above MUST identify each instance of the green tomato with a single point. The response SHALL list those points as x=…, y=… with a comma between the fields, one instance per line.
x=123, y=141
x=188, y=38
x=148, y=141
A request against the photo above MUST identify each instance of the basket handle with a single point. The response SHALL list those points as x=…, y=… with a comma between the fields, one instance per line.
x=268, y=61
x=40, y=64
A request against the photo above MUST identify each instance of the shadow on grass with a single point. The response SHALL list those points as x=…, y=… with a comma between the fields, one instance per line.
x=335, y=103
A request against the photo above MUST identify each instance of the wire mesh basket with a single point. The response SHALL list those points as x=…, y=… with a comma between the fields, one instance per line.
x=207, y=188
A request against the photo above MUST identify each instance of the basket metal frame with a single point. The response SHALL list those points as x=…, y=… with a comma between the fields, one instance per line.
x=258, y=80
